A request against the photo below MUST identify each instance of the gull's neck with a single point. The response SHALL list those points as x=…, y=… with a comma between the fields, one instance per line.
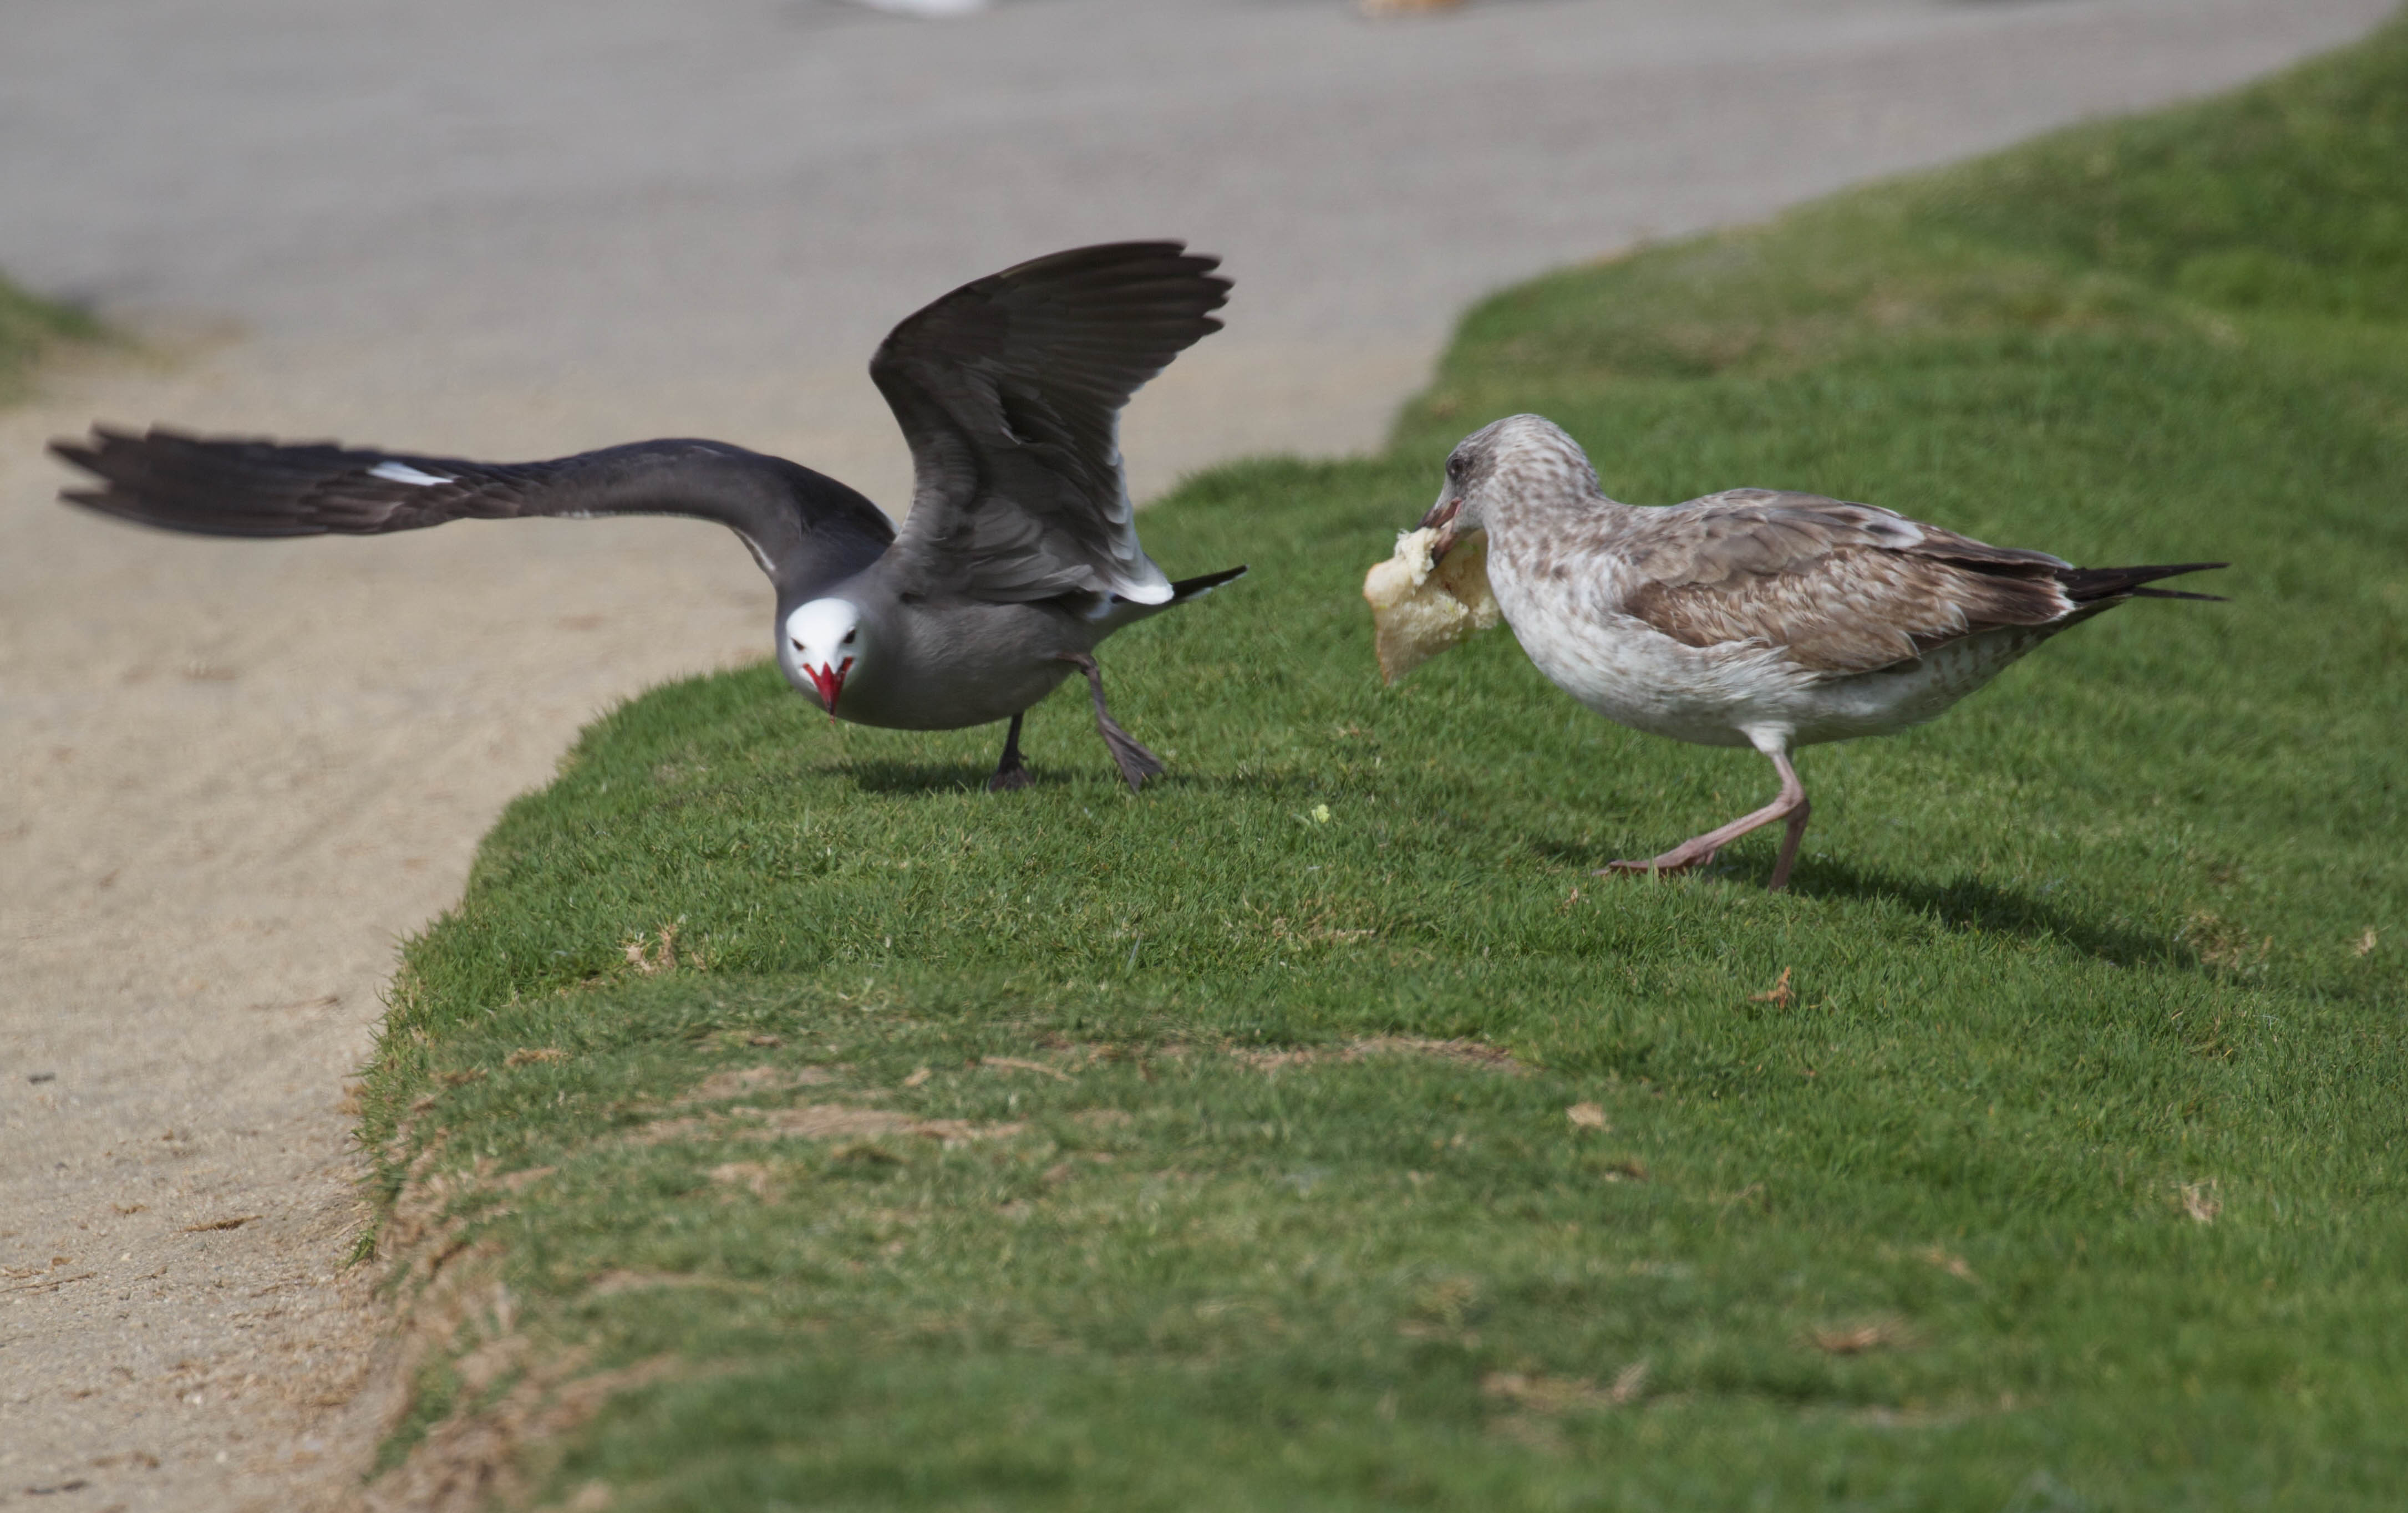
x=1556, y=514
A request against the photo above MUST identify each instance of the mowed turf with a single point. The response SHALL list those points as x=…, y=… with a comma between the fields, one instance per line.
x=27, y=326
x=786, y=1122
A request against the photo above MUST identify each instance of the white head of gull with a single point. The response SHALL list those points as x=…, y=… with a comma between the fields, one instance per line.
x=1020, y=554
x=1754, y=617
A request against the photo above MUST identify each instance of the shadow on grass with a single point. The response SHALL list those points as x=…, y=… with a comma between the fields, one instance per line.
x=1965, y=904
x=907, y=778
x=1961, y=904
x=890, y=777
x=1299, y=786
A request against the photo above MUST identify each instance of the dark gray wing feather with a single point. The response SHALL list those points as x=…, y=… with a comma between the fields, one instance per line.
x=1010, y=391
x=804, y=528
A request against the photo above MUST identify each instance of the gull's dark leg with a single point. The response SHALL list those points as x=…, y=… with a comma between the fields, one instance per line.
x=1791, y=806
x=1135, y=763
x=1010, y=773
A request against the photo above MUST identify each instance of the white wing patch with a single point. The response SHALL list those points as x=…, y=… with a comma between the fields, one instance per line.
x=404, y=472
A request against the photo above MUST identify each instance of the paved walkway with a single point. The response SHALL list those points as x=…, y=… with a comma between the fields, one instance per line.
x=231, y=774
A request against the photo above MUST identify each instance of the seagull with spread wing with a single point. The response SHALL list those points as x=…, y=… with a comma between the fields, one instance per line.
x=1752, y=617
x=1020, y=554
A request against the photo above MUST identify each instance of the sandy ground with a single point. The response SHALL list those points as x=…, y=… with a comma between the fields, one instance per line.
x=233, y=775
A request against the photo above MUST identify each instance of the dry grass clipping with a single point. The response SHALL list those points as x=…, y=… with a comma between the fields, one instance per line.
x=819, y=1122
x=1946, y=1260
x=1015, y=1064
x=234, y=1221
x=751, y=1175
x=1561, y=1395
x=1461, y=1052
x=1876, y=1335
x=748, y=1080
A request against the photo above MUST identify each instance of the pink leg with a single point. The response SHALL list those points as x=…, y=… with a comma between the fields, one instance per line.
x=1790, y=805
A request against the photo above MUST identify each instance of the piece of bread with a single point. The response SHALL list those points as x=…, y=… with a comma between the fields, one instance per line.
x=1418, y=610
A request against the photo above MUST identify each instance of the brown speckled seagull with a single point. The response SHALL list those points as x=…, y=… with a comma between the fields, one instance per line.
x=1019, y=557
x=1753, y=617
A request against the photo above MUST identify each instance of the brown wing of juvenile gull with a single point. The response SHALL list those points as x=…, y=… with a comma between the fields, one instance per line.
x=1010, y=391
x=803, y=527
x=1848, y=587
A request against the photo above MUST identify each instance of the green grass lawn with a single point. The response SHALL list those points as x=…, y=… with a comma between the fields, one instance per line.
x=27, y=326
x=783, y=1122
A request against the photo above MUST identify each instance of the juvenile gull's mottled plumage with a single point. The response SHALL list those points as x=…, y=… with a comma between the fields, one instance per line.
x=1019, y=555
x=1753, y=617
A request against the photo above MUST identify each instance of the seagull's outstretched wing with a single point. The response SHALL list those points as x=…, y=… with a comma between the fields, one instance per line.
x=1009, y=392
x=1849, y=588
x=804, y=529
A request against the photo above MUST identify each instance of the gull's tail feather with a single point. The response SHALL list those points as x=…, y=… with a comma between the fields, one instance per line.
x=2090, y=585
x=1196, y=588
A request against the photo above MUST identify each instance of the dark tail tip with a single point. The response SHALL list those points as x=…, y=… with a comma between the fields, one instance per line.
x=2088, y=585
x=1191, y=588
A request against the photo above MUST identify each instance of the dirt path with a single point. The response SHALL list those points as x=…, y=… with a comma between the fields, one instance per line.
x=232, y=775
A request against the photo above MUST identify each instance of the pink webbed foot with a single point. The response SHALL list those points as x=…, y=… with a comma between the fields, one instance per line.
x=1679, y=859
x=1791, y=806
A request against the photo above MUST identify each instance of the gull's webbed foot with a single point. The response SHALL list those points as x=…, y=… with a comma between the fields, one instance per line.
x=1010, y=773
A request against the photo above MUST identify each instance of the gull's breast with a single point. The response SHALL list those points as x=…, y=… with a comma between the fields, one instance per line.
x=1635, y=675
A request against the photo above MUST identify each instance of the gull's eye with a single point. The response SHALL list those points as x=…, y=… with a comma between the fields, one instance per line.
x=797, y=645
x=1455, y=468
x=848, y=636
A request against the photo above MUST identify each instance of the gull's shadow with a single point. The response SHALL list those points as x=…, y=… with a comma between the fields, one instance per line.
x=891, y=776
x=1273, y=784
x=1971, y=904
x=1960, y=904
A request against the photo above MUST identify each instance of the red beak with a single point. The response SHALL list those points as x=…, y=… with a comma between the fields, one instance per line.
x=830, y=683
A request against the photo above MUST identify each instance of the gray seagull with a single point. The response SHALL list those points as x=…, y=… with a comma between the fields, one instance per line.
x=1019, y=556
x=1754, y=617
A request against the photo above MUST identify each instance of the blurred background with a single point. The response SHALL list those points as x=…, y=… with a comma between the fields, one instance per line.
x=232, y=773
x=565, y=221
